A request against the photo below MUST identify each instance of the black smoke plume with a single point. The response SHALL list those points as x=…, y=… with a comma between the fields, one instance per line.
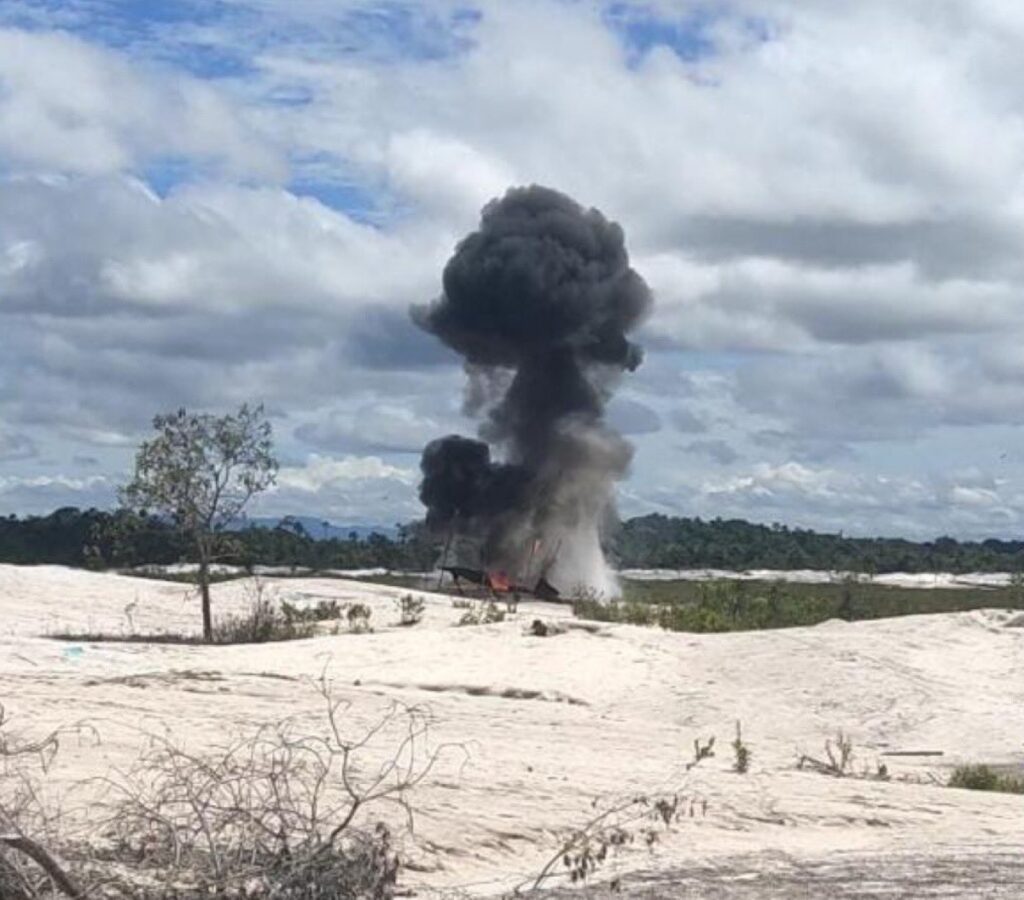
x=539, y=301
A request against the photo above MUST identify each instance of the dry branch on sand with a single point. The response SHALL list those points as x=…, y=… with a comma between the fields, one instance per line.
x=618, y=823
x=839, y=755
x=27, y=868
x=276, y=814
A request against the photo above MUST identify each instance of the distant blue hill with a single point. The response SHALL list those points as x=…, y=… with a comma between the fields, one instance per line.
x=318, y=529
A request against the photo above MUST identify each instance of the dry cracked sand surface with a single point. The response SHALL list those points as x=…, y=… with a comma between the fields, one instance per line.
x=550, y=724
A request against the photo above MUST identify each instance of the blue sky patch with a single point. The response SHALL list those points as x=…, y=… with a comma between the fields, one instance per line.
x=640, y=31
x=690, y=35
x=355, y=201
x=165, y=174
x=194, y=34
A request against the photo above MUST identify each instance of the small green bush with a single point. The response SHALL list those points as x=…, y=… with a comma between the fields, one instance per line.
x=980, y=777
x=260, y=624
x=324, y=610
x=358, y=616
x=741, y=753
x=411, y=610
x=482, y=614
x=713, y=606
x=630, y=613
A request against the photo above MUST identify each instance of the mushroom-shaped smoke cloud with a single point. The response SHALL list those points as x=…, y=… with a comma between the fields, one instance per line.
x=538, y=301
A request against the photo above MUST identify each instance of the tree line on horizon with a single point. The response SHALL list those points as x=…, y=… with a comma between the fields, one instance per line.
x=100, y=539
x=194, y=477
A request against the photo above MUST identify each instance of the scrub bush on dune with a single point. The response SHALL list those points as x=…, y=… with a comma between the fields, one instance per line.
x=410, y=610
x=283, y=812
x=358, y=616
x=985, y=778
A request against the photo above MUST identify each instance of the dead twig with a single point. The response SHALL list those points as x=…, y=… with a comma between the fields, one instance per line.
x=41, y=857
x=278, y=811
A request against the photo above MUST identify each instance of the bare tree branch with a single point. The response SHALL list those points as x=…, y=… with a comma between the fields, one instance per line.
x=39, y=855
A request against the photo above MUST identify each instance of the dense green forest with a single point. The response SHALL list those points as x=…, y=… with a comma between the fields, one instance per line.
x=658, y=541
x=99, y=539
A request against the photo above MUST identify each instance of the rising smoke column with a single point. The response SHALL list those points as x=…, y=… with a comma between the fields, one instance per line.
x=538, y=301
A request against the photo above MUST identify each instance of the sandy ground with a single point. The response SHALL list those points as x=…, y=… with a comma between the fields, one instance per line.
x=552, y=723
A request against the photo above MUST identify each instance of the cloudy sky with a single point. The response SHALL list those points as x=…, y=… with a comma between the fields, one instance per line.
x=214, y=201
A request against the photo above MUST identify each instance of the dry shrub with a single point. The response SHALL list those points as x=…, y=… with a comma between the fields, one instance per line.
x=482, y=614
x=410, y=610
x=838, y=757
x=324, y=611
x=359, y=615
x=281, y=814
x=618, y=823
x=27, y=823
x=262, y=621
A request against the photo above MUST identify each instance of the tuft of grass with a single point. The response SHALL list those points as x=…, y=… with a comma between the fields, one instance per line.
x=358, y=616
x=979, y=777
x=701, y=751
x=325, y=610
x=410, y=610
x=838, y=760
x=629, y=612
x=482, y=614
x=741, y=753
x=262, y=623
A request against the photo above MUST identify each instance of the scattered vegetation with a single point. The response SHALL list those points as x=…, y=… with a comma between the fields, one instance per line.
x=701, y=752
x=741, y=753
x=838, y=757
x=729, y=605
x=639, y=818
x=589, y=605
x=359, y=615
x=980, y=777
x=283, y=812
x=482, y=614
x=410, y=609
x=324, y=611
x=263, y=621
x=584, y=850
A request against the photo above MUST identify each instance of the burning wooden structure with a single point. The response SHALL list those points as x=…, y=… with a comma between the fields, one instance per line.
x=499, y=583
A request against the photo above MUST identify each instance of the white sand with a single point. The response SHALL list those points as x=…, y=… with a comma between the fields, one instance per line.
x=551, y=723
